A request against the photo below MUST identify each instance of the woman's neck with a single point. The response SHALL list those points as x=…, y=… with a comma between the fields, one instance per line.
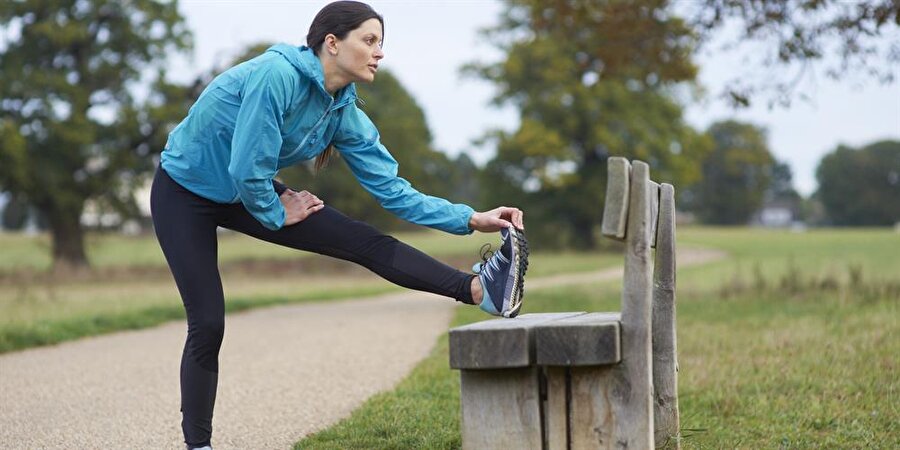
x=335, y=80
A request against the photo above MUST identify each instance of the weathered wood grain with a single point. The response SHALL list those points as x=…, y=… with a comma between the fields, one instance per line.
x=556, y=409
x=596, y=414
x=501, y=409
x=665, y=356
x=499, y=343
x=654, y=212
x=615, y=209
x=630, y=391
x=586, y=340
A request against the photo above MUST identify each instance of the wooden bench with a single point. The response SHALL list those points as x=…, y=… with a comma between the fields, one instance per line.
x=578, y=380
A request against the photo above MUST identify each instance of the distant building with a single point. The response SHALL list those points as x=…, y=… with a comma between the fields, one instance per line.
x=777, y=214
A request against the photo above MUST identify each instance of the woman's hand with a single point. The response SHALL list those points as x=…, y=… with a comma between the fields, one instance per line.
x=299, y=205
x=497, y=218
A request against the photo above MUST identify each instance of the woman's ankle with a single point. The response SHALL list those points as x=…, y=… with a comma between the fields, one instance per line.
x=477, y=292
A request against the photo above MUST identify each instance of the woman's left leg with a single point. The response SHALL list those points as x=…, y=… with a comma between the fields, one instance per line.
x=329, y=232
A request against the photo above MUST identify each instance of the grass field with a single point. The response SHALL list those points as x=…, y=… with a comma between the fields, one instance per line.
x=792, y=342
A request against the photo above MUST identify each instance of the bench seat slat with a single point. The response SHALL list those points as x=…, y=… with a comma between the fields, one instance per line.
x=586, y=340
x=499, y=343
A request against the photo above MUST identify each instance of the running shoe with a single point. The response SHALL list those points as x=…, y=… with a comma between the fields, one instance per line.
x=502, y=274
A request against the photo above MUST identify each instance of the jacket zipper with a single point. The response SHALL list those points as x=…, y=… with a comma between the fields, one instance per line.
x=331, y=107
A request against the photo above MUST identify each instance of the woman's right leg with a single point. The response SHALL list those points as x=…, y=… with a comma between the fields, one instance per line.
x=331, y=233
x=185, y=226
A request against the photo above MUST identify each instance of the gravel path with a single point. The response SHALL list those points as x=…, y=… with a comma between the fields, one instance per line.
x=285, y=372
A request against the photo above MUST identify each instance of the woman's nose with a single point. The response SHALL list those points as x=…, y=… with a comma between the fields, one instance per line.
x=379, y=53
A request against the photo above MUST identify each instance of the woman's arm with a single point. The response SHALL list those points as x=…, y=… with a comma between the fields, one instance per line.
x=257, y=140
x=359, y=143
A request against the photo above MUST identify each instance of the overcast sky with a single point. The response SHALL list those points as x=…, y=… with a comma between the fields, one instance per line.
x=426, y=41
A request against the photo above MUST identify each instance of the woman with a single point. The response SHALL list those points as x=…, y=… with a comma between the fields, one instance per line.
x=288, y=105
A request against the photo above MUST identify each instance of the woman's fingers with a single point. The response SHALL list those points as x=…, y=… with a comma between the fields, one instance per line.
x=313, y=199
x=502, y=217
x=307, y=199
x=514, y=215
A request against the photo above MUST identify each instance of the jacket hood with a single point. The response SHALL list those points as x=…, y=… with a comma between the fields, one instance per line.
x=307, y=63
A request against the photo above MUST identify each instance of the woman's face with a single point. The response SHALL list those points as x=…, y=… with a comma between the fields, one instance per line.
x=358, y=54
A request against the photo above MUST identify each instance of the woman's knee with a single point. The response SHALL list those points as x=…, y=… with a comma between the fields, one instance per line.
x=211, y=329
x=204, y=340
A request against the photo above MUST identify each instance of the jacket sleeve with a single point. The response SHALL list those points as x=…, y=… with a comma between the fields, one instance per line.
x=256, y=143
x=358, y=141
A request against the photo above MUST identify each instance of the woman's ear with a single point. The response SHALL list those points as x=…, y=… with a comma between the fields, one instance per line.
x=330, y=44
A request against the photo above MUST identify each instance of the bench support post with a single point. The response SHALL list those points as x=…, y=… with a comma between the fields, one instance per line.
x=630, y=382
x=665, y=357
x=501, y=408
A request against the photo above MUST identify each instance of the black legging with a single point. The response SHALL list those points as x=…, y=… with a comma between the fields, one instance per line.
x=185, y=226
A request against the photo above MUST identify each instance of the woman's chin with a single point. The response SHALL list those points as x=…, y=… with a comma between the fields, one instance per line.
x=366, y=76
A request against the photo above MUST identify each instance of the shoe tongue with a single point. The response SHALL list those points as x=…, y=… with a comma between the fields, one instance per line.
x=505, y=243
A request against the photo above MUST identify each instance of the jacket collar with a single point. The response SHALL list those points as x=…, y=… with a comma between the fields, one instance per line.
x=307, y=63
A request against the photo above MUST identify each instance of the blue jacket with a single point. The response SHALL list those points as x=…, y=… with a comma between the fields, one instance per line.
x=273, y=111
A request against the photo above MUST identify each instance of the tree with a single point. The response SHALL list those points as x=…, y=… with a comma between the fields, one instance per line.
x=72, y=125
x=781, y=189
x=16, y=216
x=861, y=187
x=736, y=174
x=781, y=186
x=590, y=79
x=793, y=36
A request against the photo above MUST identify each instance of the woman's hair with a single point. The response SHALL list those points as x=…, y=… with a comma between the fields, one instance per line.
x=338, y=18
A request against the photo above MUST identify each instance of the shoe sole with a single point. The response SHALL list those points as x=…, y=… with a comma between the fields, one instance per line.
x=517, y=276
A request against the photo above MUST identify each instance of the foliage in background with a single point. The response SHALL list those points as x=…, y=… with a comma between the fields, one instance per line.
x=781, y=188
x=595, y=78
x=590, y=79
x=17, y=215
x=72, y=127
x=792, y=37
x=861, y=187
x=736, y=175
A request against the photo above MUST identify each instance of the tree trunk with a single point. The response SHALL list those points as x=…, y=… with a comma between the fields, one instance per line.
x=68, y=241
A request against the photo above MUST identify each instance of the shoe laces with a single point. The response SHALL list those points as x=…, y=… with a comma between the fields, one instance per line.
x=490, y=260
x=486, y=253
